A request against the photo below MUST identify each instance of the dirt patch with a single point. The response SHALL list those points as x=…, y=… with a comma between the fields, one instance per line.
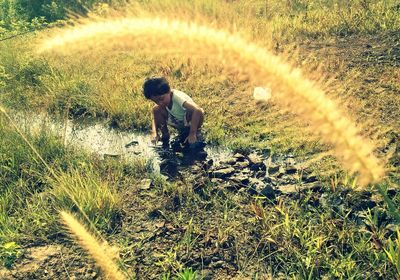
x=51, y=262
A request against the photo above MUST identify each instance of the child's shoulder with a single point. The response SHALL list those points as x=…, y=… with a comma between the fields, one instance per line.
x=180, y=94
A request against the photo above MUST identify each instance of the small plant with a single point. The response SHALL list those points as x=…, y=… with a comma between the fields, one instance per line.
x=187, y=274
x=393, y=252
x=9, y=253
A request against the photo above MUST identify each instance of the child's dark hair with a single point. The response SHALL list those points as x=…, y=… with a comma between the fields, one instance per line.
x=155, y=87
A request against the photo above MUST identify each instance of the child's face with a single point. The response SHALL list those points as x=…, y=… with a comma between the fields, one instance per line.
x=162, y=100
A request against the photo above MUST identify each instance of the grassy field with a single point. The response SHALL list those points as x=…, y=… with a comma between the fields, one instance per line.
x=172, y=230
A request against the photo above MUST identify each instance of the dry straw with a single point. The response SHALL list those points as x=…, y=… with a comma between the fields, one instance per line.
x=100, y=253
x=292, y=90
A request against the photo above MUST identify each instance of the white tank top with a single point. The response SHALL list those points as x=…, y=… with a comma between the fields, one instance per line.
x=177, y=113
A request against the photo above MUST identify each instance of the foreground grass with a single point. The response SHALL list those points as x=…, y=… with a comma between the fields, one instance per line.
x=32, y=195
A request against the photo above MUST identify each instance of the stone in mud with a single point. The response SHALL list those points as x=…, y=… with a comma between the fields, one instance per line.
x=268, y=192
x=223, y=173
x=270, y=181
x=254, y=158
x=255, y=186
x=308, y=178
x=290, y=162
x=258, y=167
x=241, y=164
x=292, y=169
x=241, y=179
x=273, y=168
x=239, y=157
x=217, y=181
x=230, y=161
x=294, y=188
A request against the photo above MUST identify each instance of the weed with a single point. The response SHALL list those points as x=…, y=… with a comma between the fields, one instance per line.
x=393, y=252
x=187, y=274
x=9, y=253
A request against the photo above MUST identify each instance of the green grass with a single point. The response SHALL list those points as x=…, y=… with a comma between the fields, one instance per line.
x=31, y=195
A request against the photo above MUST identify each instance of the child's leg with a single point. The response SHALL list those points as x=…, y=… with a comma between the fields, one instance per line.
x=160, y=116
x=189, y=119
x=199, y=144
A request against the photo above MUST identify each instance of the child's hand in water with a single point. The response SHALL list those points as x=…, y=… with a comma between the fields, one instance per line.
x=154, y=138
x=192, y=138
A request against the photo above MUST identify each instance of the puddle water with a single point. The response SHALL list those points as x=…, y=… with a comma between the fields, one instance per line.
x=106, y=142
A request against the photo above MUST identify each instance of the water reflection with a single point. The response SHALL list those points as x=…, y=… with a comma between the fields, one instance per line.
x=107, y=142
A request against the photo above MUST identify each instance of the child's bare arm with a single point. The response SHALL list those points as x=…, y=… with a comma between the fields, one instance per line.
x=197, y=117
x=154, y=132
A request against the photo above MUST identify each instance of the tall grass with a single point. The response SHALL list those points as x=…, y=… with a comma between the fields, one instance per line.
x=301, y=95
x=95, y=197
x=39, y=175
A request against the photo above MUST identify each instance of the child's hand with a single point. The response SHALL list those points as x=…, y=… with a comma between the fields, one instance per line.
x=154, y=138
x=192, y=138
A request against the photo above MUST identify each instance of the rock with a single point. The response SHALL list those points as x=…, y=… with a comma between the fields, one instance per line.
x=241, y=164
x=294, y=188
x=268, y=192
x=291, y=169
x=217, y=264
x=255, y=186
x=290, y=162
x=217, y=181
x=258, y=167
x=273, y=168
x=309, y=178
x=223, y=173
x=240, y=178
x=254, y=159
x=239, y=157
x=229, y=161
x=271, y=181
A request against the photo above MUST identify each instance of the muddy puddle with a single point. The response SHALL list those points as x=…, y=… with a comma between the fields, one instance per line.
x=222, y=166
x=97, y=137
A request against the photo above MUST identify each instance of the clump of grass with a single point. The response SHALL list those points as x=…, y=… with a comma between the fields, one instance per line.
x=96, y=197
x=301, y=95
x=99, y=252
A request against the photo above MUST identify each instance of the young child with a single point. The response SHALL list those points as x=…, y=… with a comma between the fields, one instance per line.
x=175, y=108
